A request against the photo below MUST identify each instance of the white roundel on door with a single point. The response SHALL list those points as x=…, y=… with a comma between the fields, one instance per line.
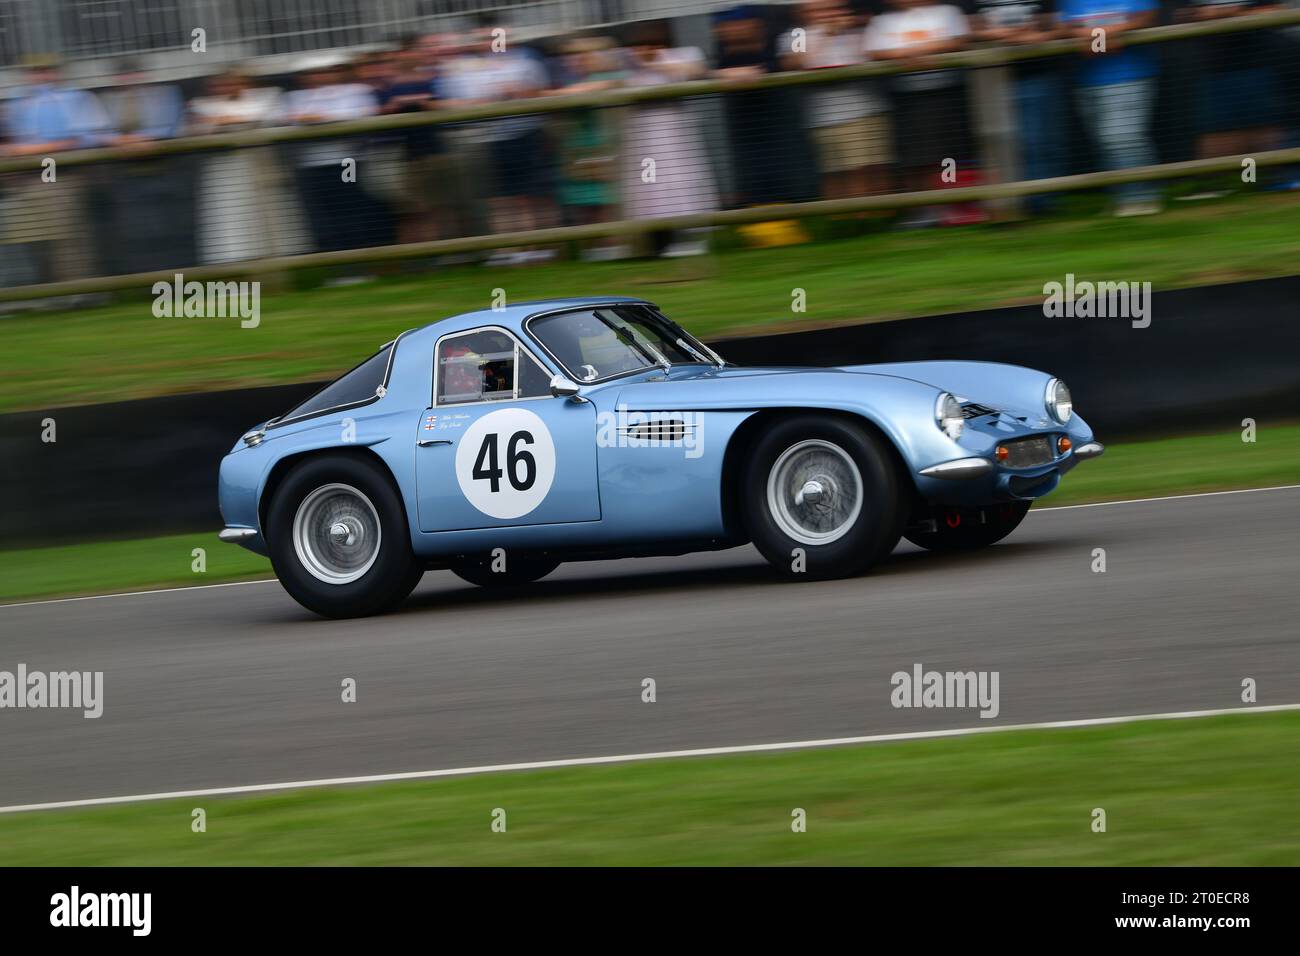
x=506, y=462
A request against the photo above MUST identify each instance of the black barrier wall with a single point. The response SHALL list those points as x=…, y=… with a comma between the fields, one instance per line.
x=1209, y=358
x=126, y=469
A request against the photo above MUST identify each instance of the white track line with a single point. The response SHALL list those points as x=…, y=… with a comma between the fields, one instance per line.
x=120, y=594
x=234, y=584
x=1139, y=501
x=630, y=758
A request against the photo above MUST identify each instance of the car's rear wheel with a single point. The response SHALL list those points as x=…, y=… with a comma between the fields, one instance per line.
x=338, y=540
x=967, y=530
x=488, y=573
x=822, y=497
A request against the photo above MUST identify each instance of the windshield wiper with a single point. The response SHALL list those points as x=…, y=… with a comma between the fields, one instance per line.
x=627, y=336
x=684, y=340
x=660, y=359
x=687, y=347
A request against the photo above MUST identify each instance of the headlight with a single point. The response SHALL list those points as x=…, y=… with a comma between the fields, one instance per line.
x=1059, y=404
x=948, y=415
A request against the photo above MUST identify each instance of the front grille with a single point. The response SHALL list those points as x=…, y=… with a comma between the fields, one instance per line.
x=976, y=410
x=1028, y=452
x=1023, y=487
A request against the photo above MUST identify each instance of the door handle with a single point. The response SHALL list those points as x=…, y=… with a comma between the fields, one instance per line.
x=425, y=442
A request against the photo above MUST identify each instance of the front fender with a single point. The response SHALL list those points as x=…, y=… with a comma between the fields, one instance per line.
x=246, y=472
x=1010, y=387
x=902, y=408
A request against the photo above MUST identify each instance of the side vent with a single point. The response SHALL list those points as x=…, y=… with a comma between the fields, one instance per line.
x=669, y=429
x=658, y=429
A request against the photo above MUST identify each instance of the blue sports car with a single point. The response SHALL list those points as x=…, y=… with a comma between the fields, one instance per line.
x=501, y=443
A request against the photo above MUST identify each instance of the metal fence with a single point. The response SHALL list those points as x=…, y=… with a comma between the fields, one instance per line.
x=240, y=29
x=645, y=167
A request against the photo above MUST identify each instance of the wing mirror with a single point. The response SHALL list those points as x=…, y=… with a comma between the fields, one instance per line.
x=562, y=387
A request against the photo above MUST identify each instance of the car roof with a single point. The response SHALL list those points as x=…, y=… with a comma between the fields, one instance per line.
x=515, y=313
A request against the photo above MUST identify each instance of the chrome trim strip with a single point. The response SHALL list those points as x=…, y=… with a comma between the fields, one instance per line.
x=1092, y=449
x=959, y=468
x=656, y=426
x=659, y=422
x=236, y=535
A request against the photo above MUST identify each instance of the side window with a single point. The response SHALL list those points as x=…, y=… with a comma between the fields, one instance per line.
x=487, y=366
x=534, y=381
x=351, y=388
x=476, y=367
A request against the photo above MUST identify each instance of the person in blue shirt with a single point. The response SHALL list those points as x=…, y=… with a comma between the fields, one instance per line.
x=140, y=110
x=1236, y=91
x=47, y=117
x=143, y=209
x=1115, y=89
x=43, y=222
x=1038, y=85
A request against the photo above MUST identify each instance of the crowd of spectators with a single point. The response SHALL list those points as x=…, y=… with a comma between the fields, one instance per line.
x=920, y=129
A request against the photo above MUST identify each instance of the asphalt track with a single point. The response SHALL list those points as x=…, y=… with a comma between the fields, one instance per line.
x=219, y=687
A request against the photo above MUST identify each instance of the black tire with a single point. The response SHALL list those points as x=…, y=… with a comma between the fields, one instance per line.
x=393, y=571
x=967, y=529
x=852, y=542
x=521, y=570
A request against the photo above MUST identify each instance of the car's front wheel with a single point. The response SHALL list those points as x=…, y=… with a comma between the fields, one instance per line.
x=822, y=497
x=338, y=540
x=965, y=530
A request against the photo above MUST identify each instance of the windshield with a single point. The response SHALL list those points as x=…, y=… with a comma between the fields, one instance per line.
x=594, y=344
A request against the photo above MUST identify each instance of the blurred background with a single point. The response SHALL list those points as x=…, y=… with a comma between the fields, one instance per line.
x=781, y=178
x=221, y=125
x=829, y=182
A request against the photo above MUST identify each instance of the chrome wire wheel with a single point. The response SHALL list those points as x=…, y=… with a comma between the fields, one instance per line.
x=814, y=492
x=336, y=534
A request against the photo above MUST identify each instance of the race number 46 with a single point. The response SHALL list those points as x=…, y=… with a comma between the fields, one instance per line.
x=505, y=463
x=487, y=469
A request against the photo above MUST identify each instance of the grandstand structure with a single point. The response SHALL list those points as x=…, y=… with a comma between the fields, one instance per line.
x=89, y=34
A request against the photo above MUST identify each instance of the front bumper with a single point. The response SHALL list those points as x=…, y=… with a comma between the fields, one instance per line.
x=978, y=480
x=249, y=538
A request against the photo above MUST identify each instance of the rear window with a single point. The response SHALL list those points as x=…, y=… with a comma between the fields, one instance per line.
x=358, y=385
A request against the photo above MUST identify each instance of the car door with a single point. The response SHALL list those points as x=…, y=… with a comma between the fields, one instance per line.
x=496, y=449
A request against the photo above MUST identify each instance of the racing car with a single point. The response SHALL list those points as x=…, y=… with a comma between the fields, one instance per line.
x=500, y=443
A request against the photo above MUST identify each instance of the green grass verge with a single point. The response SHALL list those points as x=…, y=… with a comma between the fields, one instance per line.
x=1210, y=792
x=121, y=351
x=99, y=567
x=1136, y=470
x=1185, y=465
